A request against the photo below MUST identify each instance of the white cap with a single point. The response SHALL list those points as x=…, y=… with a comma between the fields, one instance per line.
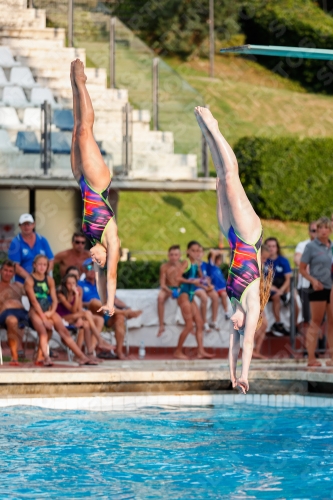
x=26, y=218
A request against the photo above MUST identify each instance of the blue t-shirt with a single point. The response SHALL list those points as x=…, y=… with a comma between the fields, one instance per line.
x=21, y=253
x=216, y=275
x=89, y=291
x=281, y=267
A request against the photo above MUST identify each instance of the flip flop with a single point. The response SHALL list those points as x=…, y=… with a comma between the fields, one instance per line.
x=107, y=355
x=14, y=363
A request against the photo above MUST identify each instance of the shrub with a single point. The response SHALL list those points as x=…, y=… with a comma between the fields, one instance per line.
x=287, y=178
x=293, y=23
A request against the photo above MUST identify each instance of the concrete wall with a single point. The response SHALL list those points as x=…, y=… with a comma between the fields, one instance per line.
x=13, y=203
x=58, y=216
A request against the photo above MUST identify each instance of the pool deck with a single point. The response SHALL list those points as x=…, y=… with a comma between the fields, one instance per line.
x=286, y=376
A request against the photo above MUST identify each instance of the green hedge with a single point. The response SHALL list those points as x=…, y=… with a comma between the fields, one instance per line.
x=293, y=23
x=287, y=179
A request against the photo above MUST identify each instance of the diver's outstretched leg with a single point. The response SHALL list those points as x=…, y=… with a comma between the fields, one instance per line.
x=86, y=157
x=242, y=215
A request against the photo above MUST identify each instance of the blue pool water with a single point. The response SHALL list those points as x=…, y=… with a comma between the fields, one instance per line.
x=230, y=452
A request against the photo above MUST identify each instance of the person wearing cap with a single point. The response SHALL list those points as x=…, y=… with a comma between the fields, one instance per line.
x=25, y=246
x=92, y=302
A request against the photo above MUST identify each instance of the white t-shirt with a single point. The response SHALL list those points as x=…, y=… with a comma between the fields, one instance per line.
x=302, y=282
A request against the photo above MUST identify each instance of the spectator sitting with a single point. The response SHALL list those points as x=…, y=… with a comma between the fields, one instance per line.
x=13, y=316
x=92, y=301
x=74, y=256
x=205, y=290
x=169, y=286
x=105, y=350
x=42, y=295
x=26, y=246
x=303, y=284
x=218, y=280
x=281, y=283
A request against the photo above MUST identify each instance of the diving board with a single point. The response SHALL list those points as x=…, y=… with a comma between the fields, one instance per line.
x=274, y=50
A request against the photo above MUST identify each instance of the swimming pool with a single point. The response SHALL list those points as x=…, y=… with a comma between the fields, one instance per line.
x=229, y=452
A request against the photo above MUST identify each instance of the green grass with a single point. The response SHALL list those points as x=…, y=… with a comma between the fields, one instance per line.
x=151, y=222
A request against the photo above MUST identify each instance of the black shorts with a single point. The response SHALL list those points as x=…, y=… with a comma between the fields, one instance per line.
x=20, y=314
x=320, y=295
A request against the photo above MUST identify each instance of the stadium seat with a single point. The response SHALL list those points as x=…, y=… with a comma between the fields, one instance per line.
x=41, y=94
x=6, y=58
x=22, y=77
x=5, y=145
x=60, y=144
x=14, y=96
x=9, y=118
x=63, y=119
x=32, y=118
x=3, y=79
x=27, y=142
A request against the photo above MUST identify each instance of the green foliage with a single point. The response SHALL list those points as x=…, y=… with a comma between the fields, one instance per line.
x=286, y=178
x=138, y=274
x=177, y=26
x=293, y=23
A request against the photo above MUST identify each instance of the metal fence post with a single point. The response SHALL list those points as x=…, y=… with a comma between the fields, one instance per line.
x=112, y=52
x=30, y=4
x=155, y=93
x=70, y=23
x=211, y=39
x=292, y=311
x=127, y=138
x=45, y=137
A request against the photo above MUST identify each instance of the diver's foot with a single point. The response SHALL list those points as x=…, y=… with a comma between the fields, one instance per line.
x=204, y=355
x=77, y=69
x=160, y=330
x=178, y=354
x=206, y=120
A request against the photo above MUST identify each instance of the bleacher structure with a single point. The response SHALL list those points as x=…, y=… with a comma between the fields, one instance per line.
x=34, y=67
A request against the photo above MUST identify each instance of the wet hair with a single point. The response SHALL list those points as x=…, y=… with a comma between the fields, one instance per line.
x=266, y=280
x=8, y=263
x=63, y=288
x=72, y=268
x=174, y=247
x=324, y=222
x=78, y=234
x=37, y=258
x=277, y=244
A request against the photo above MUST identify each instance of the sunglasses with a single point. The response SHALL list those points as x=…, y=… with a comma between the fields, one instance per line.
x=313, y=230
x=89, y=267
x=79, y=242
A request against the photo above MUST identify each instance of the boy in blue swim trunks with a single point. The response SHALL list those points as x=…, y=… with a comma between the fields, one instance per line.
x=218, y=280
x=169, y=286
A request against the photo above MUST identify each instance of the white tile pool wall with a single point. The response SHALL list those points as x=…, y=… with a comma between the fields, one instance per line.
x=135, y=401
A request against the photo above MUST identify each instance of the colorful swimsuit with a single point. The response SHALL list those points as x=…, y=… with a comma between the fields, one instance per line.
x=96, y=212
x=244, y=268
x=190, y=273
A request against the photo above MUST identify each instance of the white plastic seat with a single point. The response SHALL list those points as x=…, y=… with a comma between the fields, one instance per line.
x=9, y=118
x=14, y=96
x=3, y=79
x=6, y=58
x=5, y=144
x=22, y=77
x=32, y=118
x=41, y=94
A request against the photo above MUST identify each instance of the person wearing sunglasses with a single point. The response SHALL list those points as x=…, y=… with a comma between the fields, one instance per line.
x=303, y=284
x=74, y=256
x=93, y=177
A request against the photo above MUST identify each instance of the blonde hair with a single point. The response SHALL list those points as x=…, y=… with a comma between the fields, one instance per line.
x=324, y=222
x=266, y=280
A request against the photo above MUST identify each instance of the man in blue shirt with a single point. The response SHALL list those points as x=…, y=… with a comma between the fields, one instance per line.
x=281, y=282
x=25, y=246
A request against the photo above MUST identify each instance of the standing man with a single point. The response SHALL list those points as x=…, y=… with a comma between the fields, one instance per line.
x=74, y=256
x=303, y=284
x=25, y=246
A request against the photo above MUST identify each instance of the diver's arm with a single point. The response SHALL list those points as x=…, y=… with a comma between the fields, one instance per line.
x=252, y=304
x=234, y=348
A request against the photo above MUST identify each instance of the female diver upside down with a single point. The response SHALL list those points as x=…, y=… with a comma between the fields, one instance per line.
x=93, y=177
x=247, y=287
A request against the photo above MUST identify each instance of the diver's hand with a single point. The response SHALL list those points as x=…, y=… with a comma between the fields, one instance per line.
x=242, y=385
x=106, y=309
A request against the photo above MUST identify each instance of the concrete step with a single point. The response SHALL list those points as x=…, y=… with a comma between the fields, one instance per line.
x=33, y=33
x=64, y=54
x=31, y=43
x=61, y=82
x=21, y=4
x=28, y=18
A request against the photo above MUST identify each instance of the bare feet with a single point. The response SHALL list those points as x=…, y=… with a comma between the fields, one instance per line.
x=121, y=355
x=329, y=362
x=178, y=354
x=314, y=363
x=86, y=361
x=206, y=120
x=204, y=355
x=257, y=355
x=160, y=330
x=77, y=72
x=47, y=361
